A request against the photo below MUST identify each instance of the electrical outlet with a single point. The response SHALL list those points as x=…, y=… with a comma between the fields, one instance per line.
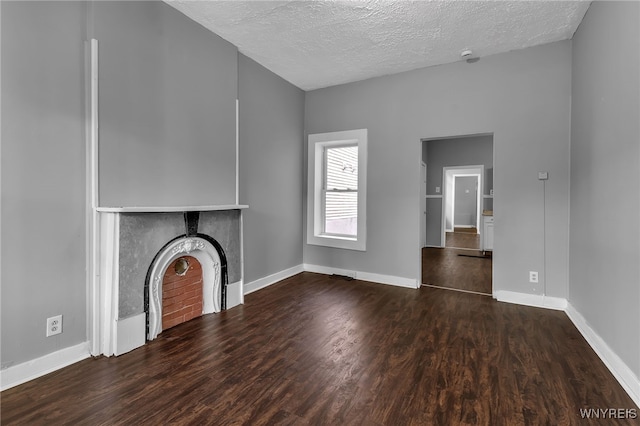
x=54, y=325
x=533, y=276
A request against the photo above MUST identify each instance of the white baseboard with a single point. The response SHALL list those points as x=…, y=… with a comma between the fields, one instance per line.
x=235, y=295
x=627, y=379
x=535, y=300
x=388, y=279
x=22, y=373
x=130, y=333
x=365, y=276
x=272, y=279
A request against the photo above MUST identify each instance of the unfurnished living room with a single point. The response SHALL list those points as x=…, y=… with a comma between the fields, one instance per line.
x=320, y=212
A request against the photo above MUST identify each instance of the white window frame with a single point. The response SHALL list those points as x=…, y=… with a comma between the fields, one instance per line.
x=318, y=142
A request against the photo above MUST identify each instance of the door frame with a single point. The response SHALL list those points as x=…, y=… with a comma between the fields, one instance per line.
x=423, y=204
x=449, y=194
x=422, y=143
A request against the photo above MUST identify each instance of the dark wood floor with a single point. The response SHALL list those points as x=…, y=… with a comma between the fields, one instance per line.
x=463, y=238
x=468, y=270
x=316, y=350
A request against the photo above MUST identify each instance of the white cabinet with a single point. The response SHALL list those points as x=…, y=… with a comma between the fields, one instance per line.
x=487, y=233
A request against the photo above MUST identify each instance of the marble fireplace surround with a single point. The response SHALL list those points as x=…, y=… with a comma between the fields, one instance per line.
x=135, y=242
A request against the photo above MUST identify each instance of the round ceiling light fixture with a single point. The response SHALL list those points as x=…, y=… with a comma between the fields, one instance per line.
x=466, y=54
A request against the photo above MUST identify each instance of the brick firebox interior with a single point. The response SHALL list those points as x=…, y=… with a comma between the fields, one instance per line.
x=181, y=292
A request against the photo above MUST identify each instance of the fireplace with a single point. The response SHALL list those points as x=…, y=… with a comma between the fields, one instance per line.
x=209, y=253
x=137, y=245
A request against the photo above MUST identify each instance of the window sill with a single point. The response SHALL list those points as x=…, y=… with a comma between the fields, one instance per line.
x=336, y=242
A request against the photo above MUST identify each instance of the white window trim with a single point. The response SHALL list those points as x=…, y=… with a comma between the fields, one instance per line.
x=317, y=143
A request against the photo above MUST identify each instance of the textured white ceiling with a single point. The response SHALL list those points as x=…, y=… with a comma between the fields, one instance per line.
x=315, y=44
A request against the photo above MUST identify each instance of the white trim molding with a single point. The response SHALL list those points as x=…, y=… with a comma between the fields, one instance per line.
x=108, y=284
x=22, y=373
x=235, y=296
x=326, y=270
x=621, y=371
x=449, y=175
x=169, y=209
x=93, y=199
x=318, y=143
x=365, y=276
x=535, y=300
x=130, y=333
x=237, y=151
x=272, y=279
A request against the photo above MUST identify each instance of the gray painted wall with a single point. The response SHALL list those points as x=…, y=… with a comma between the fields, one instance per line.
x=224, y=227
x=168, y=90
x=466, y=196
x=605, y=176
x=43, y=175
x=522, y=97
x=161, y=78
x=464, y=151
x=271, y=165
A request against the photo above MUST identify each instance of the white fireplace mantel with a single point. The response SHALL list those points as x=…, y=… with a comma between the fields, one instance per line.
x=115, y=335
x=171, y=209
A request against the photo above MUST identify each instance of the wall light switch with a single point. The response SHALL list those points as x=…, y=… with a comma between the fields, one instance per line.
x=437, y=189
x=543, y=175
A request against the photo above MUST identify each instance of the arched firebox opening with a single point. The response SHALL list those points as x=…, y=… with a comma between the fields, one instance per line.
x=211, y=256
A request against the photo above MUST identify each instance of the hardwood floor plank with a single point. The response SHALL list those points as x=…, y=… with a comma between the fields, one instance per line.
x=467, y=270
x=466, y=238
x=316, y=350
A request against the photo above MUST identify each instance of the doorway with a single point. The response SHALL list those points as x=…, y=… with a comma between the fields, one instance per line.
x=462, y=201
x=459, y=191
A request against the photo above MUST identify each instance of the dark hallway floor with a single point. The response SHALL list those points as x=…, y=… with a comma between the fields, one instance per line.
x=463, y=238
x=467, y=270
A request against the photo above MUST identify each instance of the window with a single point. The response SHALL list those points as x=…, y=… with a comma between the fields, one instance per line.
x=340, y=190
x=336, y=198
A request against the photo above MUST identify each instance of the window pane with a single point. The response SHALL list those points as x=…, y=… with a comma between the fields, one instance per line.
x=342, y=168
x=341, y=213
